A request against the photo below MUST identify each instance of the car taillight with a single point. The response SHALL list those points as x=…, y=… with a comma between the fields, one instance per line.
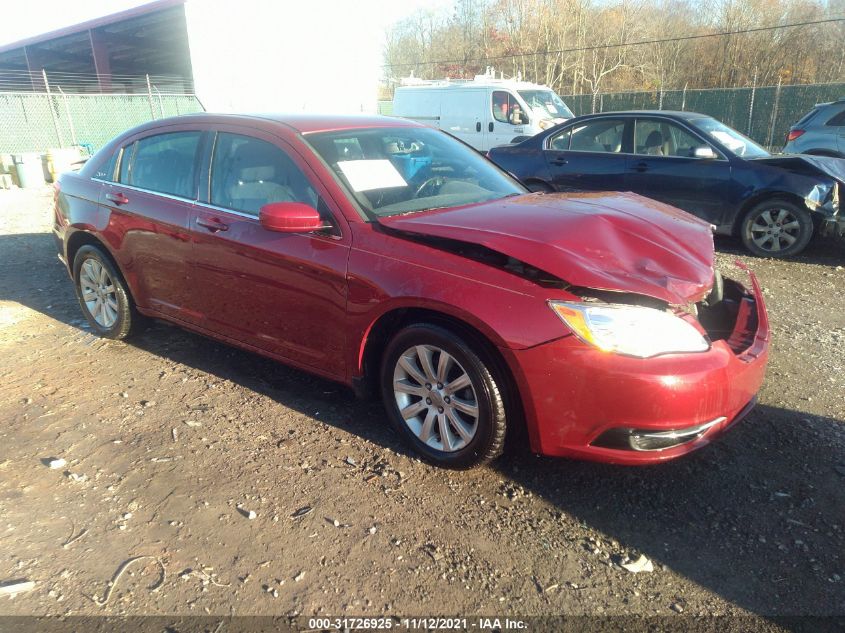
x=793, y=134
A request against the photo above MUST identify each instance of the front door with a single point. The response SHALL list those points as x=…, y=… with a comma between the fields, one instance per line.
x=665, y=169
x=281, y=292
x=508, y=120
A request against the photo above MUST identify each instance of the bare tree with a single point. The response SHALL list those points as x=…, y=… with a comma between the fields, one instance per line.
x=592, y=46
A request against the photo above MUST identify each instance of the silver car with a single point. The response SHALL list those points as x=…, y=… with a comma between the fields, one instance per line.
x=821, y=131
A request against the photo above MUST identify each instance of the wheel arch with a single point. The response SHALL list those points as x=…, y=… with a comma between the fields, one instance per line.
x=81, y=238
x=761, y=197
x=383, y=328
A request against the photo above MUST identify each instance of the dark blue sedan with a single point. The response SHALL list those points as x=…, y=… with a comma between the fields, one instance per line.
x=692, y=161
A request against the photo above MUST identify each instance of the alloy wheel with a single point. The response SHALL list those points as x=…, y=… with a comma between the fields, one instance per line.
x=436, y=398
x=98, y=293
x=775, y=229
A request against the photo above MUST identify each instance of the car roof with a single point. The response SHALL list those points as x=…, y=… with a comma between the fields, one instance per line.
x=678, y=114
x=302, y=123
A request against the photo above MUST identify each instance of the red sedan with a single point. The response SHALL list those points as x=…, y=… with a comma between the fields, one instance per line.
x=390, y=257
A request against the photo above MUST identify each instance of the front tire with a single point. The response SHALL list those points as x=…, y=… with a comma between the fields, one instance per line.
x=102, y=294
x=441, y=395
x=776, y=228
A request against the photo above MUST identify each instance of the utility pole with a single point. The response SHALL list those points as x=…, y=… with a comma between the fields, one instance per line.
x=751, y=105
x=52, y=111
x=150, y=97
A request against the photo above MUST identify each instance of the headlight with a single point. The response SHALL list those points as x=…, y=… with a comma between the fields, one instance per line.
x=545, y=124
x=631, y=330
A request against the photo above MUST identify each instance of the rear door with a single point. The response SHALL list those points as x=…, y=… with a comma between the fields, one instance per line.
x=665, y=169
x=280, y=292
x=589, y=156
x=150, y=204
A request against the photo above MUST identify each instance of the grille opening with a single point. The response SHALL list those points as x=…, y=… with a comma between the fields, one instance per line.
x=727, y=319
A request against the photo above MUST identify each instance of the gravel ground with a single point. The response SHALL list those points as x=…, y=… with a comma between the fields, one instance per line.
x=171, y=441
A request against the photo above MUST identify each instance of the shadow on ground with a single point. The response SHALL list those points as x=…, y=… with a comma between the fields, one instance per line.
x=756, y=518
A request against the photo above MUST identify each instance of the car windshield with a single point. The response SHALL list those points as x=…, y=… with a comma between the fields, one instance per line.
x=738, y=143
x=546, y=104
x=397, y=170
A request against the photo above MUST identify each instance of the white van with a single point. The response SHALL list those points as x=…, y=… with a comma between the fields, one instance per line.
x=484, y=112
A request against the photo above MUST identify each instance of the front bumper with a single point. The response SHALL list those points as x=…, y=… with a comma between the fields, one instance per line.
x=833, y=226
x=574, y=394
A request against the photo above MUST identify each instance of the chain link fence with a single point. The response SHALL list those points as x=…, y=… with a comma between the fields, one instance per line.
x=34, y=122
x=763, y=113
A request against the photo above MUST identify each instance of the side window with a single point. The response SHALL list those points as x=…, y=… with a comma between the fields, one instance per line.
x=681, y=142
x=247, y=173
x=106, y=170
x=560, y=141
x=604, y=135
x=125, y=163
x=648, y=138
x=660, y=138
x=837, y=120
x=506, y=109
x=166, y=163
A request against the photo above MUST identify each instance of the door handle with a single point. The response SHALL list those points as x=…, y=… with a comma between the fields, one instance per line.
x=490, y=126
x=559, y=161
x=641, y=167
x=212, y=224
x=117, y=198
x=478, y=126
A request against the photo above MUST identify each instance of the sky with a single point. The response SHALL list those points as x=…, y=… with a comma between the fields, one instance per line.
x=34, y=17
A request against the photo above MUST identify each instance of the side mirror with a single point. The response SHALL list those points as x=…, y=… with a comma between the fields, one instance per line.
x=705, y=152
x=289, y=217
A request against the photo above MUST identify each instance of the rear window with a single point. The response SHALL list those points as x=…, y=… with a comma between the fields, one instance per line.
x=837, y=119
x=106, y=170
x=166, y=163
x=807, y=116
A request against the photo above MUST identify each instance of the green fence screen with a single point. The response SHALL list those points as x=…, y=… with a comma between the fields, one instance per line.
x=27, y=124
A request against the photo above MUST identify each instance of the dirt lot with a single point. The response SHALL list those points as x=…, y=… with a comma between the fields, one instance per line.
x=171, y=440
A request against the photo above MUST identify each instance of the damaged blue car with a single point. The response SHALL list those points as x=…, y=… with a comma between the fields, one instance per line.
x=775, y=204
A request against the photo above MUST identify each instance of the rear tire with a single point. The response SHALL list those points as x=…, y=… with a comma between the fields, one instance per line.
x=102, y=294
x=441, y=395
x=776, y=228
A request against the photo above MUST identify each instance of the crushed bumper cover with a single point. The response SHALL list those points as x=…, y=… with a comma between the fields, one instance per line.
x=574, y=394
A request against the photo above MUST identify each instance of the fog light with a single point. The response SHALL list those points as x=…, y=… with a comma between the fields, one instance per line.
x=647, y=440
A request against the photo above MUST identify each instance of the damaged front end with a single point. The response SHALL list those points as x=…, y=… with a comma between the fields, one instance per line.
x=735, y=316
x=730, y=312
x=824, y=200
x=820, y=185
x=731, y=315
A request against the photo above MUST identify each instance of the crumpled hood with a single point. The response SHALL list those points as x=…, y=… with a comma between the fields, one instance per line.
x=807, y=165
x=607, y=241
